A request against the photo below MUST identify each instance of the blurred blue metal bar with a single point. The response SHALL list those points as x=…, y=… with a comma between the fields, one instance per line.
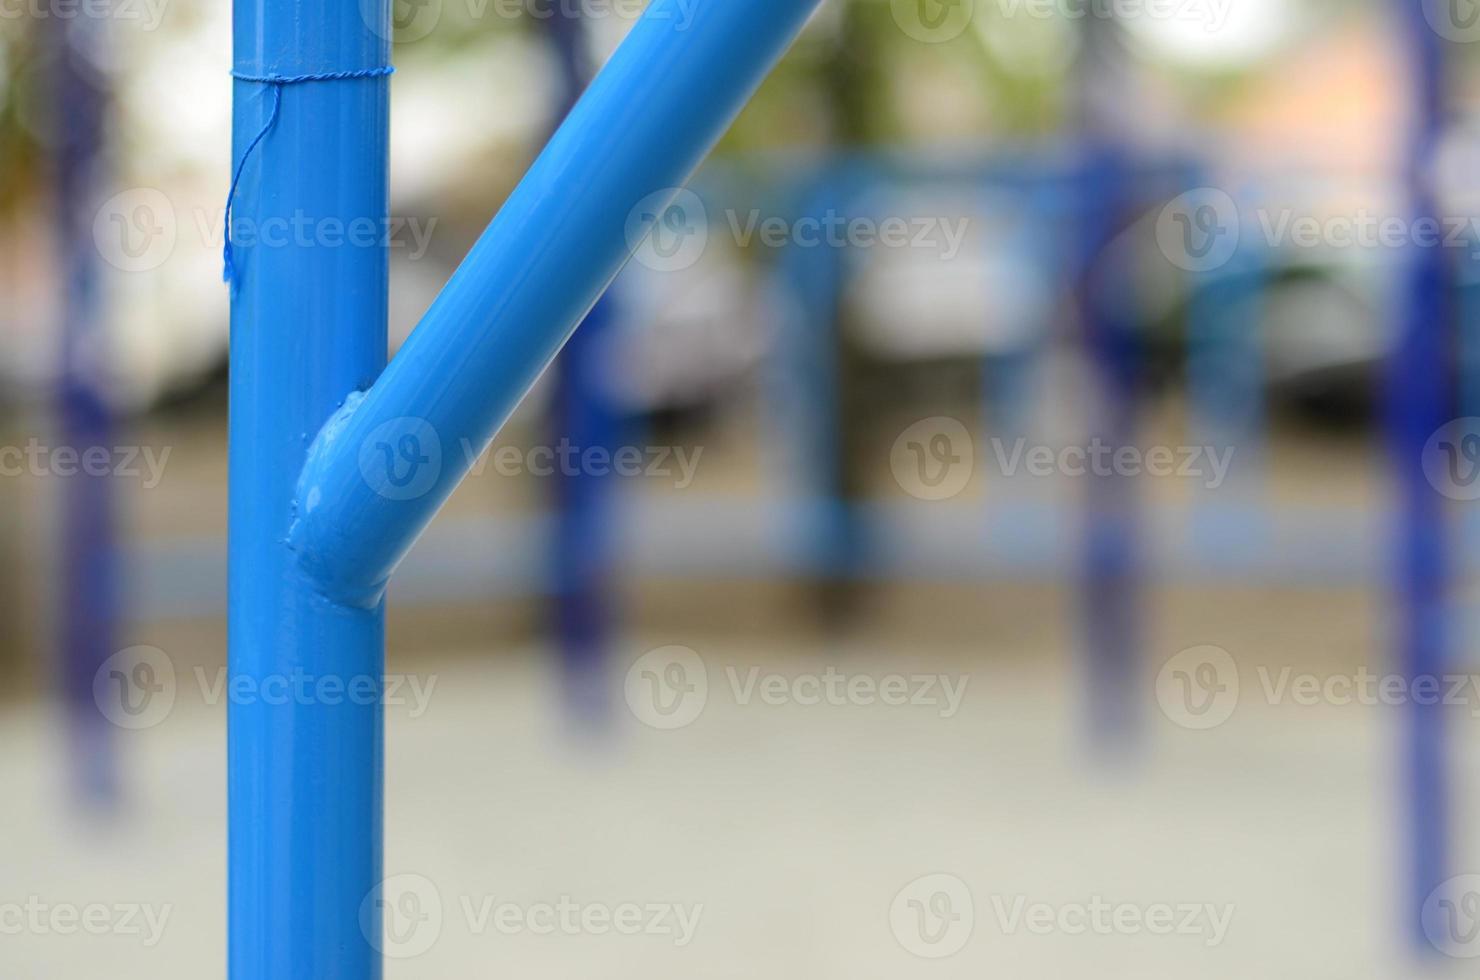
x=585, y=601
x=587, y=416
x=308, y=326
x=87, y=620
x=1112, y=594
x=1226, y=381
x=1419, y=402
x=652, y=113
x=806, y=388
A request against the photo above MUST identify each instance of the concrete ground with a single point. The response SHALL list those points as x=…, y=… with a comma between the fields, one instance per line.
x=789, y=823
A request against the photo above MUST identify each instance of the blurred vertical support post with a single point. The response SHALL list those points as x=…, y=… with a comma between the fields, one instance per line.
x=808, y=405
x=1010, y=378
x=308, y=327
x=843, y=404
x=1112, y=570
x=87, y=614
x=1226, y=378
x=587, y=415
x=1419, y=400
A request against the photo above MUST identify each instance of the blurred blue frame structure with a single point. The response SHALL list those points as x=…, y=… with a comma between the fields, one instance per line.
x=1420, y=400
x=338, y=461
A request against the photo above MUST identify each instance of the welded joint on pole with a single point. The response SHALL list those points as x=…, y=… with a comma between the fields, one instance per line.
x=313, y=555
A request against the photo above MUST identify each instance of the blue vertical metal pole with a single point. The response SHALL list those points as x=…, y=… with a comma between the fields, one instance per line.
x=308, y=326
x=584, y=593
x=88, y=611
x=586, y=414
x=807, y=407
x=1112, y=594
x=1418, y=400
x=1010, y=376
x=1225, y=392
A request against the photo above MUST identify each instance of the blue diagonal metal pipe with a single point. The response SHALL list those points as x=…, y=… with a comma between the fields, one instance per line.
x=383, y=467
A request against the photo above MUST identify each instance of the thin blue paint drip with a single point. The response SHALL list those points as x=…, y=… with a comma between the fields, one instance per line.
x=228, y=270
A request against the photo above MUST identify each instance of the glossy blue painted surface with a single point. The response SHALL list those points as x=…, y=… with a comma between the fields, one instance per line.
x=661, y=102
x=308, y=326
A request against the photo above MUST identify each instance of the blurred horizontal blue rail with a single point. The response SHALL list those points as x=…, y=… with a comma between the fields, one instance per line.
x=471, y=559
